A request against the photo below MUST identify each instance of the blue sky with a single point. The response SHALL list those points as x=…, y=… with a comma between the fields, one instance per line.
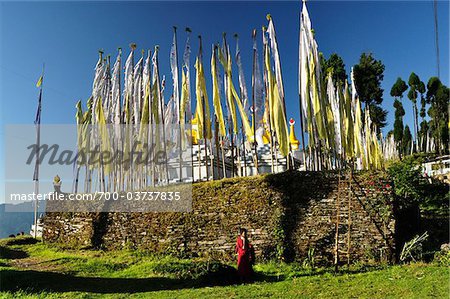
x=67, y=36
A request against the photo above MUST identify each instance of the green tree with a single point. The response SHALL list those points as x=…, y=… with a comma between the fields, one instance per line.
x=407, y=141
x=438, y=97
x=423, y=128
x=337, y=66
x=368, y=74
x=415, y=86
x=397, y=91
x=398, y=125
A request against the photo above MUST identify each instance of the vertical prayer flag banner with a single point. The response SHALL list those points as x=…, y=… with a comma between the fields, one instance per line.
x=174, y=71
x=218, y=111
x=39, y=82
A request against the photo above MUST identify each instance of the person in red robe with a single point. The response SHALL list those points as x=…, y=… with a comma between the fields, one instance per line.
x=245, y=254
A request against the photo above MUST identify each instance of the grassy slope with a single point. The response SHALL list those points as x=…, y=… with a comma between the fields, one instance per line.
x=34, y=268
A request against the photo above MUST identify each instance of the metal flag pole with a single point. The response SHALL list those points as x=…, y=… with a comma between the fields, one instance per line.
x=38, y=143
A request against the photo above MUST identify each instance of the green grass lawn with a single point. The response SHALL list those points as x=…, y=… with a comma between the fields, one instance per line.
x=41, y=271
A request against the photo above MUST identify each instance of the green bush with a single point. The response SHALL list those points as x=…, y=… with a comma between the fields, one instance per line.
x=442, y=257
x=412, y=188
x=408, y=180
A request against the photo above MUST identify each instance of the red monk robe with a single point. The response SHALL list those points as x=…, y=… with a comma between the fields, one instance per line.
x=245, y=258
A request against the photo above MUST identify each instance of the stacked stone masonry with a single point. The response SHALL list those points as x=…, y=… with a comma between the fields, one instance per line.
x=286, y=215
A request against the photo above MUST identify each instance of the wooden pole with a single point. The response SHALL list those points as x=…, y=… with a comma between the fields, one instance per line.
x=255, y=157
x=232, y=148
x=151, y=131
x=266, y=85
x=336, y=237
x=302, y=129
x=216, y=137
x=119, y=131
x=200, y=54
x=231, y=127
x=189, y=113
x=179, y=106
x=349, y=213
x=130, y=185
x=205, y=139
x=224, y=169
x=241, y=94
x=161, y=106
x=243, y=149
x=211, y=158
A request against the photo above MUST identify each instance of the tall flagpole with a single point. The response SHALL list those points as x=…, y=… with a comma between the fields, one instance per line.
x=205, y=129
x=188, y=113
x=161, y=107
x=241, y=94
x=253, y=103
x=300, y=96
x=216, y=139
x=230, y=116
x=120, y=166
x=179, y=103
x=38, y=143
x=269, y=18
x=266, y=86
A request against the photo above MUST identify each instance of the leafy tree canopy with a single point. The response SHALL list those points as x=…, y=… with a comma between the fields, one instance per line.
x=378, y=116
x=398, y=88
x=412, y=95
x=337, y=66
x=433, y=85
x=414, y=80
x=399, y=111
x=368, y=74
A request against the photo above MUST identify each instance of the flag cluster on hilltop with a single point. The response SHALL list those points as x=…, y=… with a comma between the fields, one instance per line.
x=127, y=111
x=331, y=113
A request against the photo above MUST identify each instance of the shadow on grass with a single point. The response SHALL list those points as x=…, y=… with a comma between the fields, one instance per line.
x=41, y=281
x=20, y=240
x=10, y=253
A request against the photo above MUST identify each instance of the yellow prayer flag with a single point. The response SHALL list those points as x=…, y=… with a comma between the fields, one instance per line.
x=216, y=96
x=39, y=82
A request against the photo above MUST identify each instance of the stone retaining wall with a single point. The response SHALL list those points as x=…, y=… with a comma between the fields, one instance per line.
x=285, y=214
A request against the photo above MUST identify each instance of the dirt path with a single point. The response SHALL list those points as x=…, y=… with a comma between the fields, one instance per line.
x=36, y=264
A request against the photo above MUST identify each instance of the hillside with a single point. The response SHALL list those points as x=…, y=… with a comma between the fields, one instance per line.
x=29, y=270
